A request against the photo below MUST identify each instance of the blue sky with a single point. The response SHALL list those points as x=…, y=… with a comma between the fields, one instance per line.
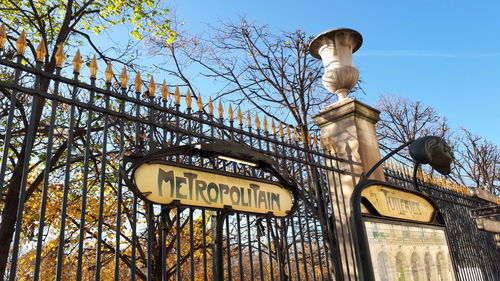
x=443, y=53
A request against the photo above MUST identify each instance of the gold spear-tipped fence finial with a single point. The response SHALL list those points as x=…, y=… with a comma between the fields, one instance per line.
x=210, y=107
x=257, y=122
x=189, y=99
x=124, y=78
x=177, y=95
x=41, y=51
x=266, y=128
x=3, y=36
x=93, y=68
x=151, y=87
x=21, y=44
x=295, y=134
x=221, y=110
x=273, y=127
x=280, y=129
x=165, y=93
x=303, y=136
x=288, y=133
x=199, y=101
x=322, y=142
x=59, y=56
x=333, y=144
x=109, y=73
x=138, y=82
x=230, y=113
x=77, y=62
x=240, y=117
x=249, y=119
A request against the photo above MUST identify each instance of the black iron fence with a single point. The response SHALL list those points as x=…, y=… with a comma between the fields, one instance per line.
x=67, y=215
x=475, y=252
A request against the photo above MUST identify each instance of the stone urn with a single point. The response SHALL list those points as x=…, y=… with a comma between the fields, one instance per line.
x=335, y=48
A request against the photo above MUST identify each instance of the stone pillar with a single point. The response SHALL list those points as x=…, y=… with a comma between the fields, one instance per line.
x=351, y=125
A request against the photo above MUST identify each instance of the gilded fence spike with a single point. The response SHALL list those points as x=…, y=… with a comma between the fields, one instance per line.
x=3, y=36
x=303, y=137
x=257, y=122
x=109, y=73
x=240, y=116
x=315, y=141
x=309, y=140
x=266, y=128
x=124, y=78
x=138, y=82
x=273, y=127
x=322, y=142
x=210, y=107
x=221, y=110
x=249, y=119
x=93, y=68
x=165, y=93
x=280, y=129
x=59, y=56
x=295, y=134
x=288, y=134
x=21, y=44
x=199, y=101
x=230, y=113
x=41, y=51
x=177, y=95
x=77, y=62
x=189, y=99
x=151, y=88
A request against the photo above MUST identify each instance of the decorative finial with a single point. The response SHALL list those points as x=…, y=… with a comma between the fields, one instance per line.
x=177, y=95
x=124, y=78
x=41, y=51
x=138, y=82
x=59, y=56
x=266, y=129
x=189, y=100
x=77, y=62
x=93, y=68
x=221, y=110
x=240, y=117
x=109, y=73
x=249, y=120
x=257, y=122
x=210, y=107
x=165, y=93
x=335, y=48
x=273, y=127
x=230, y=113
x=21, y=44
x=151, y=87
x=200, y=103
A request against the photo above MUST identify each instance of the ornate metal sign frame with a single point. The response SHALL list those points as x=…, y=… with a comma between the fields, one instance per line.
x=216, y=149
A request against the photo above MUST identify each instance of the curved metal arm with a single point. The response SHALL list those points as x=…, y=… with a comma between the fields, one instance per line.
x=368, y=174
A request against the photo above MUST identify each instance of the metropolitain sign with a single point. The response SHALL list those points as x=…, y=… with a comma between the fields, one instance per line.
x=164, y=184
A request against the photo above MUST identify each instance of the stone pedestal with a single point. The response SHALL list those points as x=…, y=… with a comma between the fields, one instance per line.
x=351, y=125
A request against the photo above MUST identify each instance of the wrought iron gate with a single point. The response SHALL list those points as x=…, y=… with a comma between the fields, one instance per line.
x=66, y=214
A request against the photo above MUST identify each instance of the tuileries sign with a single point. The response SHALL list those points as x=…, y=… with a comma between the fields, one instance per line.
x=164, y=184
x=400, y=204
